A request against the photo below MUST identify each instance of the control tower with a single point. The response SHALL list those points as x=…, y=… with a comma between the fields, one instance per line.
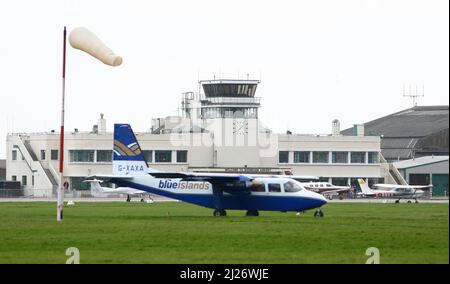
x=219, y=99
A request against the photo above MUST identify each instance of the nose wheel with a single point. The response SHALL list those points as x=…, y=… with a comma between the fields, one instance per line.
x=219, y=213
x=318, y=213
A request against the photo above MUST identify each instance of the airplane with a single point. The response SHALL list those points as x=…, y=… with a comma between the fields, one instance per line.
x=396, y=192
x=326, y=189
x=217, y=191
x=98, y=191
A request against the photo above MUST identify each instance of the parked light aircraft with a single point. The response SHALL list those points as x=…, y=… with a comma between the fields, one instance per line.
x=326, y=189
x=98, y=191
x=395, y=191
x=213, y=190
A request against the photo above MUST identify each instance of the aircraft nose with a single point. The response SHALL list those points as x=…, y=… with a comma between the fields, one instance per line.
x=319, y=199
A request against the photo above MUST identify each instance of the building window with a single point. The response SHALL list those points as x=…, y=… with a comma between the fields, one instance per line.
x=14, y=155
x=373, y=158
x=283, y=157
x=320, y=157
x=339, y=181
x=54, y=155
x=14, y=178
x=163, y=156
x=274, y=187
x=24, y=180
x=372, y=181
x=324, y=179
x=42, y=155
x=301, y=157
x=358, y=157
x=81, y=156
x=104, y=156
x=182, y=156
x=77, y=183
x=340, y=157
x=148, y=155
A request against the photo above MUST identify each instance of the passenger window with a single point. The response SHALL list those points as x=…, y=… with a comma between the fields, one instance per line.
x=274, y=187
x=258, y=187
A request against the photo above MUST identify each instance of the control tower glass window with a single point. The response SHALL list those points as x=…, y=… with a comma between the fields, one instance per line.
x=230, y=89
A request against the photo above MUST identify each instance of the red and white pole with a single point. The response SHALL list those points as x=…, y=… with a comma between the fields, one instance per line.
x=60, y=191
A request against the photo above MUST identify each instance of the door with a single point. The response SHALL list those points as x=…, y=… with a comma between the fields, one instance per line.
x=440, y=184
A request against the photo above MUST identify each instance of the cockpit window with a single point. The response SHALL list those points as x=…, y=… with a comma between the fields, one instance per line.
x=274, y=187
x=291, y=187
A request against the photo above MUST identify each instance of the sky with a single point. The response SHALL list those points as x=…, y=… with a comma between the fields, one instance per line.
x=317, y=60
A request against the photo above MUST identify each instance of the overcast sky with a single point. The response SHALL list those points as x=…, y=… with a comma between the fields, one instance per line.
x=317, y=59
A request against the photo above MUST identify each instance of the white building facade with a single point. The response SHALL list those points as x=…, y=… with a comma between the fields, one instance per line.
x=218, y=131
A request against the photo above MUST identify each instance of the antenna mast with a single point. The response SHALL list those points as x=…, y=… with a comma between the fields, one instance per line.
x=414, y=94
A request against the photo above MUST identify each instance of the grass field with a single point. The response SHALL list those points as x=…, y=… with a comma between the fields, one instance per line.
x=173, y=232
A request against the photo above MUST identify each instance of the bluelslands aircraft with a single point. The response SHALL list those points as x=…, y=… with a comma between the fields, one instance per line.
x=98, y=191
x=212, y=190
x=395, y=191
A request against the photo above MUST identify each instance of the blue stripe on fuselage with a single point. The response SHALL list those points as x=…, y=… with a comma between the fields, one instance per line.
x=234, y=202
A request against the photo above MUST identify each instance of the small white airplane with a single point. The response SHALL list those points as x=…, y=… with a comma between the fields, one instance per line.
x=394, y=191
x=326, y=189
x=98, y=191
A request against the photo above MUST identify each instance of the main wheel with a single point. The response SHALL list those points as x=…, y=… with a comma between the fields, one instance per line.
x=252, y=213
x=142, y=200
x=409, y=201
x=397, y=201
x=219, y=213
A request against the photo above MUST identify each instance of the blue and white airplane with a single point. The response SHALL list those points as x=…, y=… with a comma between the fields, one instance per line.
x=213, y=190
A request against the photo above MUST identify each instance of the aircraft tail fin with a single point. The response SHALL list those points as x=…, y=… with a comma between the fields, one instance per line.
x=96, y=188
x=364, y=187
x=128, y=158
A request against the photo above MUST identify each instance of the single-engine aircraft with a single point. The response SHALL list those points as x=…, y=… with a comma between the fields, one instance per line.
x=395, y=192
x=99, y=191
x=213, y=190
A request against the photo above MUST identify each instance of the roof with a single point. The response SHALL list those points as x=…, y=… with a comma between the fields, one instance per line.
x=420, y=161
x=418, y=121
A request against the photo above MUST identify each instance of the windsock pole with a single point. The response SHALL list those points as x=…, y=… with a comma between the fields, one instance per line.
x=60, y=191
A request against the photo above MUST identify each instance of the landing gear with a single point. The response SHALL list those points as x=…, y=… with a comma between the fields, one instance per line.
x=142, y=200
x=252, y=213
x=318, y=213
x=417, y=201
x=397, y=201
x=409, y=201
x=219, y=213
x=128, y=198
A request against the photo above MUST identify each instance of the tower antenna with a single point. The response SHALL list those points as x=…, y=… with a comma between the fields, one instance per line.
x=414, y=94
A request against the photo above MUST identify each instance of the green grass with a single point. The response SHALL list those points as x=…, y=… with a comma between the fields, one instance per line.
x=182, y=233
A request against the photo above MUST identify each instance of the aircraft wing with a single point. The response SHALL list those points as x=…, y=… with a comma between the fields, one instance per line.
x=106, y=177
x=336, y=190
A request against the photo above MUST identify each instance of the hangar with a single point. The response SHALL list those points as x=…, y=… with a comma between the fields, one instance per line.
x=426, y=170
x=413, y=132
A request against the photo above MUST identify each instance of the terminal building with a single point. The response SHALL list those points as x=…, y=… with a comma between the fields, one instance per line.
x=219, y=131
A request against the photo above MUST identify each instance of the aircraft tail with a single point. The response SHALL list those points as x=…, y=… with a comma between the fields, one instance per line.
x=128, y=157
x=364, y=187
x=96, y=188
